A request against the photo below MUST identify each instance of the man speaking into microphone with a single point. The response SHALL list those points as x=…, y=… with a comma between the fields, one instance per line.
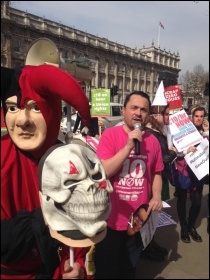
x=135, y=175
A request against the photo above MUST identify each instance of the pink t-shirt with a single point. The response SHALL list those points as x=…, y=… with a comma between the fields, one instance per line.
x=132, y=183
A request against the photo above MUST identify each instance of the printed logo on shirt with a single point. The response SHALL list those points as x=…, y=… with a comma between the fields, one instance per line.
x=131, y=181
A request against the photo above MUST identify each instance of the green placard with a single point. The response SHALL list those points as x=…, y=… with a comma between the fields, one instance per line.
x=100, y=102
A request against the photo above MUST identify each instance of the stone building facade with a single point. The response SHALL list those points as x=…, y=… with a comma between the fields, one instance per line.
x=110, y=63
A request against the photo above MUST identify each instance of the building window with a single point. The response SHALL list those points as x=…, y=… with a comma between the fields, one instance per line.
x=17, y=46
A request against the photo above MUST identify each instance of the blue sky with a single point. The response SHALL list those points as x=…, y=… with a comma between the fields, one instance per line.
x=136, y=24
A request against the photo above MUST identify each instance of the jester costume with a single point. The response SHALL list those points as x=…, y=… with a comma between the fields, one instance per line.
x=27, y=249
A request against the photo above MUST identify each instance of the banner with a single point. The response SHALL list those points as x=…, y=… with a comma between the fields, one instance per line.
x=173, y=96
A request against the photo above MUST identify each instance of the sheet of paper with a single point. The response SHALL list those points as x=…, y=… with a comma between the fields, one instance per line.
x=156, y=219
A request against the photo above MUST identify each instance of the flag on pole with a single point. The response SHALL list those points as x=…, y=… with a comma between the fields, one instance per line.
x=161, y=25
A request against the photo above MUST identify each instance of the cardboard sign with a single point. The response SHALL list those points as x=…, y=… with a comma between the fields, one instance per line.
x=173, y=96
x=183, y=131
x=199, y=160
x=100, y=102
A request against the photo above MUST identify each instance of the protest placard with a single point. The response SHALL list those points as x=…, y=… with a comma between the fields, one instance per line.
x=100, y=102
x=199, y=160
x=183, y=131
x=173, y=96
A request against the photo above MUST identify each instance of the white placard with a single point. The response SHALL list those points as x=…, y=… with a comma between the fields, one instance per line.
x=183, y=131
x=199, y=160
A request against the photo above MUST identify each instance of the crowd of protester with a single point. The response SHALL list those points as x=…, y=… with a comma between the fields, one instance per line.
x=137, y=178
x=155, y=123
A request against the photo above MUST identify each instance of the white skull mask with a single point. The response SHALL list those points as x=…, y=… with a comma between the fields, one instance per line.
x=74, y=191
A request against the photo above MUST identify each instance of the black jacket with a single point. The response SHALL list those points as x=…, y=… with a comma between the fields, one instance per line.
x=168, y=155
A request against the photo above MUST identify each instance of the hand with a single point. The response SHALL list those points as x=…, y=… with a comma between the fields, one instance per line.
x=191, y=149
x=205, y=125
x=155, y=204
x=85, y=130
x=173, y=149
x=100, y=123
x=134, y=135
x=75, y=272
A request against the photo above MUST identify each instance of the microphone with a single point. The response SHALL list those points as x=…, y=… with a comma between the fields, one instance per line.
x=137, y=143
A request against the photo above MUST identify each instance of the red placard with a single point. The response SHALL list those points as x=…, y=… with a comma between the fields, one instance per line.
x=173, y=96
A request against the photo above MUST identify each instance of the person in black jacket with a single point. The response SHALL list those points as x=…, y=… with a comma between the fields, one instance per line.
x=155, y=125
x=188, y=217
x=93, y=128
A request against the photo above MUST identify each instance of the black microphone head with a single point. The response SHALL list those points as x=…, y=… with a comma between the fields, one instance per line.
x=137, y=126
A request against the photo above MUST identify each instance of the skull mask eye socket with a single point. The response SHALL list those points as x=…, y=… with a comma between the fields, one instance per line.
x=92, y=168
x=97, y=176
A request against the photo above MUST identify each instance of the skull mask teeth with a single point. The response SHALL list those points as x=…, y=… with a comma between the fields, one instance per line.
x=75, y=192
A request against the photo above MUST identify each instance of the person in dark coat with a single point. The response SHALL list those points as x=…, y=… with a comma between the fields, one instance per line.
x=155, y=125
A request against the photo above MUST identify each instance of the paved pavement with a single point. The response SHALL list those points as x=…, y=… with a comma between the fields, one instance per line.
x=185, y=260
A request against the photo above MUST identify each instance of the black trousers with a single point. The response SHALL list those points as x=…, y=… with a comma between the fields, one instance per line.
x=116, y=256
x=195, y=197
